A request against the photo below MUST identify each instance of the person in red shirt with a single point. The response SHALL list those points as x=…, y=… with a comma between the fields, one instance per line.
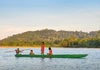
x=42, y=48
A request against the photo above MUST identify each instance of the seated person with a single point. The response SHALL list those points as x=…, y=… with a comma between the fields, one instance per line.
x=18, y=51
x=31, y=52
x=50, y=51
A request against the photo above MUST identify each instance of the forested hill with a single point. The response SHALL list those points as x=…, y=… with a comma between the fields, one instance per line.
x=48, y=35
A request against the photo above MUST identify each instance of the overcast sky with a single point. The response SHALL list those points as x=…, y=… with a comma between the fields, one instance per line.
x=17, y=16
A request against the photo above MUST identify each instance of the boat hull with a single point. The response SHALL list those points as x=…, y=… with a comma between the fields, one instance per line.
x=54, y=56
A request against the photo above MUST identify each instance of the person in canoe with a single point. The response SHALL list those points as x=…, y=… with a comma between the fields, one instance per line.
x=31, y=52
x=50, y=51
x=18, y=51
x=42, y=48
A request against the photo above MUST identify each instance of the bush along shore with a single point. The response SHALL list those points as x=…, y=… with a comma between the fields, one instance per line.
x=66, y=43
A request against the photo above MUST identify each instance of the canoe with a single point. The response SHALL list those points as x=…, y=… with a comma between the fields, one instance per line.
x=54, y=56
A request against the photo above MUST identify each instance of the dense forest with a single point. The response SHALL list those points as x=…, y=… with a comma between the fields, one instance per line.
x=68, y=39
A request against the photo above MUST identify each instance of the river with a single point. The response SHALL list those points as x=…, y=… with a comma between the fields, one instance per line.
x=92, y=62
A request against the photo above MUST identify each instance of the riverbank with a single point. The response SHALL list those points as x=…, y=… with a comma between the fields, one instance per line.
x=40, y=47
x=25, y=47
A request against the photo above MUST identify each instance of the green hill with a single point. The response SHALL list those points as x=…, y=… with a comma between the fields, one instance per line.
x=51, y=37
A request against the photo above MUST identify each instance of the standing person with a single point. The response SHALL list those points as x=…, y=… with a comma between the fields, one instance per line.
x=42, y=48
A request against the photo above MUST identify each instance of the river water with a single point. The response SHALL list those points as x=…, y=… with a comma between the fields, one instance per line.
x=9, y=62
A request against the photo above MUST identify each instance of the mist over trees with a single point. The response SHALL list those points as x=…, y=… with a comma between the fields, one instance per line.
x=70, y=39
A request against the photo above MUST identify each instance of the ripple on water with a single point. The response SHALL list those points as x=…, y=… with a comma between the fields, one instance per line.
x=91, y=62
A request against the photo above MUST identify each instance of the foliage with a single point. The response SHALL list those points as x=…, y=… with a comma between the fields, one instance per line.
x=54, y=38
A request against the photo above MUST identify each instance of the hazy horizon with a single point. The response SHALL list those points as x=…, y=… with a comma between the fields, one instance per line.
x=17, y=16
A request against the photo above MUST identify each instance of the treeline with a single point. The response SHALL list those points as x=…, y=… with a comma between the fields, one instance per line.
x=67, y=43
x=81, y=43
x=76, y=39
x=51, y=35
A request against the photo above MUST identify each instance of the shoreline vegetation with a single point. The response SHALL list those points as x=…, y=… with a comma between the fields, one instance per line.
x=27, y=47
x=62, y=39
x=40, y=47
x=66, y=43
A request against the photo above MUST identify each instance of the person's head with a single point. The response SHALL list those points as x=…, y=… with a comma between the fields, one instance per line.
x=17, y=48
x=43, y=43
x=49, y=48
x=31, y=50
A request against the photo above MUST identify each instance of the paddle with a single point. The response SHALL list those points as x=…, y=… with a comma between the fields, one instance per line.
x=9, y=51
x=14, y=50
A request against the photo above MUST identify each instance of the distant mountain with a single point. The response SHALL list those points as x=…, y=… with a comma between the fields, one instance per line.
x=50, y=35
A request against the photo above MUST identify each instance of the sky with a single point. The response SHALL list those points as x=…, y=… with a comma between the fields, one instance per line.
x=17, y=16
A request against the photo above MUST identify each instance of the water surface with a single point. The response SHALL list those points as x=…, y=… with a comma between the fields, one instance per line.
x=92, y=62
